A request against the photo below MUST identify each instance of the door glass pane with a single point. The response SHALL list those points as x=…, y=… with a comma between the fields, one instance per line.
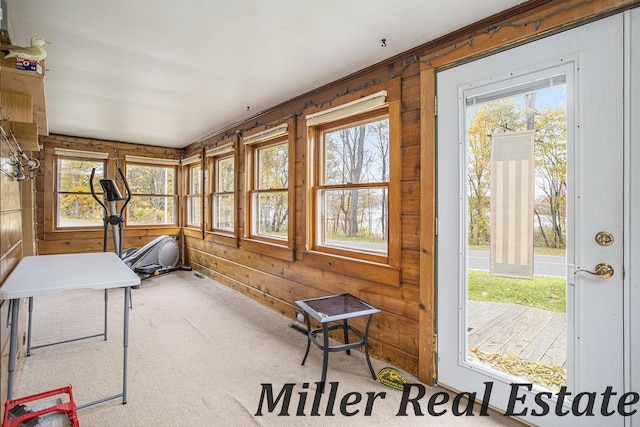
x=516, y=163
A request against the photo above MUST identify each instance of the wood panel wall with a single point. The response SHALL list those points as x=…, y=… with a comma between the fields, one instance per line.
x=23, y=113
x=278, y=283
x=51, y=241
x=10, y=254
x=403, y=334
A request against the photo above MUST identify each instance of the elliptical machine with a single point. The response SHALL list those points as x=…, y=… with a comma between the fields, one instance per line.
x=157, y=257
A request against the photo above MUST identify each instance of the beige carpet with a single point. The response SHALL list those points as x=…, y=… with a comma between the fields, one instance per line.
x=199, y=353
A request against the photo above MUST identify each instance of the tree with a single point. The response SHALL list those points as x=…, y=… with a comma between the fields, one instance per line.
x=353, y=141
x=551, y=172
x=506, y=115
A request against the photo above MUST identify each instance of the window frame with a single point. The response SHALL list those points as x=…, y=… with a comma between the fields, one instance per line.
x=188, y=166
x=154, y=163
x=74, y=155
x=227, y=148
x=268, y=136
x=353, y=115
x=217, y=191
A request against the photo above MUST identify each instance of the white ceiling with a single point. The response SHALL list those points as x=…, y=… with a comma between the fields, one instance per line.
x=169, y=73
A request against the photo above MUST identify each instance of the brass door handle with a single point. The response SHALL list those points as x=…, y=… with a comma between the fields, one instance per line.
x=603, y=270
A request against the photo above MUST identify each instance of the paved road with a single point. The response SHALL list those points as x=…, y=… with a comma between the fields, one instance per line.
x=544, y=265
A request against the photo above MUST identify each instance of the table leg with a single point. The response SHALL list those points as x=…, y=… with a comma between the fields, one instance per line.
x=29, y=326
x=306, y=353
x=366, y=348
x=125, y=342
x=325, y=355
x=14, y=307
x=106, y=302
x=346, y=335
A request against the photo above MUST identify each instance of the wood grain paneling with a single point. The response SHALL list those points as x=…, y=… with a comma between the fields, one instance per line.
x=403, y=334
x=10, y=253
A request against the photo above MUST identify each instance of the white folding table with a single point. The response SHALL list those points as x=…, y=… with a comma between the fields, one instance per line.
x=51, y=274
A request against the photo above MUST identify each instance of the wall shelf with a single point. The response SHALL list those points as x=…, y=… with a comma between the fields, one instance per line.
x=23, y=101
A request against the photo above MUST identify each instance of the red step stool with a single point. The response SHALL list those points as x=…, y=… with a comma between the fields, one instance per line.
x=68, y=408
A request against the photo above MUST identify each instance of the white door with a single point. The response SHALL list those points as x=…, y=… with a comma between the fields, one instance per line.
x=530, y=152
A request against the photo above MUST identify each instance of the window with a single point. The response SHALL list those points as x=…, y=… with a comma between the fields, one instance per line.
x=153, y=188
x=193, y=190
x=353, y=186
x=355, y=190
x=269, y=198
x=224, y=183
x=221, y=200
x=75, y=206
x=269, y=194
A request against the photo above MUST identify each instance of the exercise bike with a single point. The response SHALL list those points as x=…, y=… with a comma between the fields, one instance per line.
x=157, y=257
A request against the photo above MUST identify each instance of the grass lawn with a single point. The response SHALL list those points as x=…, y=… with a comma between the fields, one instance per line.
x=548, y=293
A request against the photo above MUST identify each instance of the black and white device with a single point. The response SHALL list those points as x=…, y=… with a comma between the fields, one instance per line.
x=156, y=257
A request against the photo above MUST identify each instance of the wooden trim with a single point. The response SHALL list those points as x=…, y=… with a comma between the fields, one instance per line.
x=374, y=272
x=196, y=160
x=291, y=205
x=249, y=173
x=269, y=249
x=544, y=19
x=221, y=239
x=236, y=188
x=426, y=315
x=394, y=214
x=25, y=133
x=192, y=232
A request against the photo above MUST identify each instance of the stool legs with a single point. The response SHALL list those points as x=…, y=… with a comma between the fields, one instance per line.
x=366, y=348
x=306, y=353
x=346, y=335
x=326, y=348
x=325, y=356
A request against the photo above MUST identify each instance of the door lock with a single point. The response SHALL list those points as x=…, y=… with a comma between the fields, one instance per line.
x=603, y=270
x=604, y=238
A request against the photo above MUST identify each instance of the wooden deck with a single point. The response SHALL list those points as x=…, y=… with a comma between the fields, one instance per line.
x=530, y=333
